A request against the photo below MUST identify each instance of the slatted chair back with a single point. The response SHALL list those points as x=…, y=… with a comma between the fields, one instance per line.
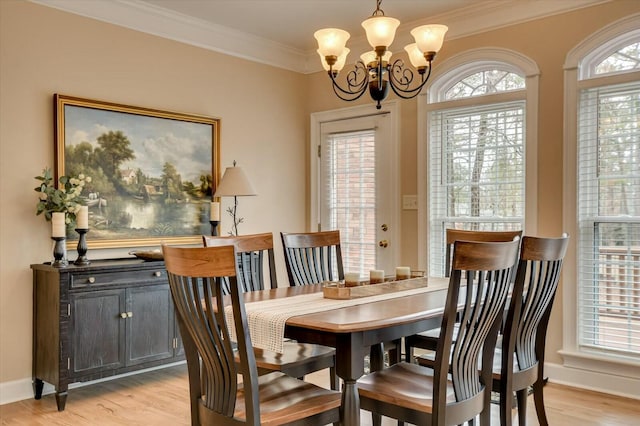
x=486, y=268
x=456, y=391
x=527, y=320
x=251, y=252
x=223, y=391
x=195, y=278
x=454, y=235
x=312, y=257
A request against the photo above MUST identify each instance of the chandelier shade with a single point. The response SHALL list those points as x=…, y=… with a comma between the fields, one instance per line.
x=376, y=71
x=331, y=41
x=381, y=30
x=429, y=38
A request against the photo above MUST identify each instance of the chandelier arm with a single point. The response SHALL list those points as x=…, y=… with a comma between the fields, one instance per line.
x=353, y=96
x=353, y=86
x=407, y=93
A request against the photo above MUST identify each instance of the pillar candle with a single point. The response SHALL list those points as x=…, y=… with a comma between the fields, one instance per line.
x=214, y=214
x=376, y=276
x=58, y=227
x=351, y=279
x=403, y=272
x=82, y=218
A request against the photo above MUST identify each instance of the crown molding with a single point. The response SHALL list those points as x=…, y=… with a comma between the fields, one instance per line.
x=140, y=16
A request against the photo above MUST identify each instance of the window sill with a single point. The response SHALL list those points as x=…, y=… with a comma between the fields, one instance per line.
x=601, y=363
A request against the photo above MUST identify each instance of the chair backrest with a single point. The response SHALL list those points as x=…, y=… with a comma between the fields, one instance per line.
x=454, y=235
x=532, y=298
x=251, y=251
x=312, y=257
x=486, y=268
x=194, y=278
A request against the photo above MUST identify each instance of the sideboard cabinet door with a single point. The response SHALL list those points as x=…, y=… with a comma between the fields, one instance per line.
x=150, y=324
x=97, y=331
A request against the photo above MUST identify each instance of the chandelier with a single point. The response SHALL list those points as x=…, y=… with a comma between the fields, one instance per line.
x=374, y=69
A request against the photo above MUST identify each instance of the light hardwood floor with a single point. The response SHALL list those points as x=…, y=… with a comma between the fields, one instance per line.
x=161, y=398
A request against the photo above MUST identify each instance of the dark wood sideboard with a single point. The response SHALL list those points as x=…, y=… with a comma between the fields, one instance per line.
x=107, y=318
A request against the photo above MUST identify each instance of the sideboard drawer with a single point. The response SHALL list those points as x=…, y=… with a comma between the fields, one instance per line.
x=82, y=280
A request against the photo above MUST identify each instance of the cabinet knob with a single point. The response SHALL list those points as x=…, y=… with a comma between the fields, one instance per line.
x=157, y=273
x=123, y=315
x=129, y=314
x=91, y=280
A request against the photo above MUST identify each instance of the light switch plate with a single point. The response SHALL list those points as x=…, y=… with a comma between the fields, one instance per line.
x=409, y=202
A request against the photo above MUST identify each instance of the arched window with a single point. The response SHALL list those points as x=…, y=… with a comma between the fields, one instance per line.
x=477, y=119
x=603, y=152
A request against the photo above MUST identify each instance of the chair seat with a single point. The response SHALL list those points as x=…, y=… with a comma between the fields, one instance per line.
x=284, y=399
x=403, y=384
x=297, y=359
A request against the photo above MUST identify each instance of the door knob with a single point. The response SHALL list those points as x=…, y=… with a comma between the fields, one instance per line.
x=384, y=227
x=383, y=243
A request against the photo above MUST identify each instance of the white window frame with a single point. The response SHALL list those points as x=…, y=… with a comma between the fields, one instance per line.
x=456, y=68
x=591, y=370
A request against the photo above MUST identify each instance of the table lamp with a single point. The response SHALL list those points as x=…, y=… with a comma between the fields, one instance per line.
x=234, y=184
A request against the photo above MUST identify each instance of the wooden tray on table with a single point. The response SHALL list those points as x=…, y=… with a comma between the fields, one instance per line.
x=335, y=290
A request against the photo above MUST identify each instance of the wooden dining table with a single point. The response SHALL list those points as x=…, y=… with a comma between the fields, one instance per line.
x=354, y=330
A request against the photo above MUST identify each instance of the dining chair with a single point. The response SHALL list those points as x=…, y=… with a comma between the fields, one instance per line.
x=428, y=340
x=312, y=257
x=519, y=361
x=223, y=391
x=419, y=395
x=297, y=359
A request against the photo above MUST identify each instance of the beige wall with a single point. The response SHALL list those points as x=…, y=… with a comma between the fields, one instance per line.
x=265, y=126
x=45, y=51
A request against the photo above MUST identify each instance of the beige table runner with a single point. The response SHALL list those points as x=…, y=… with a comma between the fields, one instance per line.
x=267, y=318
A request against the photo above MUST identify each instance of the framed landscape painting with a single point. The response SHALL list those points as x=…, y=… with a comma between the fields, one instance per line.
x=153, y=173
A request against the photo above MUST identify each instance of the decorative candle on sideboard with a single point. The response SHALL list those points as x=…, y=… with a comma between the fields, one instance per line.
x=83, y=218
x=58, y=227
x=214, y=214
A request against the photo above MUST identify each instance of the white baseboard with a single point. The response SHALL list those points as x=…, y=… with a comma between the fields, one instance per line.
x=19, y=390
x=627, y=387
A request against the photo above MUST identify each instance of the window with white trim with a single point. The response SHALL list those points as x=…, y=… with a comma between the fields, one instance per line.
x=608, y=210
x=477, y=154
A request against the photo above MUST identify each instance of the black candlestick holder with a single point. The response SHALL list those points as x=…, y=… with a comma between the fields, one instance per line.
x=82, y=247
x=214, y=227
x=59, y=251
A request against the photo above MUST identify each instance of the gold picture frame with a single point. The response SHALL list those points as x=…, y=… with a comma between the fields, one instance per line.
x=153, y=173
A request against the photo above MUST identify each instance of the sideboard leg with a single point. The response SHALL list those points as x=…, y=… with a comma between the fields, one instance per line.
x=61, y=399
x=38, y=385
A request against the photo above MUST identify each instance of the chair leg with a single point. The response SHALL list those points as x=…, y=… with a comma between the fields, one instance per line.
x=408, y=351
x=522, y=406
x=538, y=398
x=506, y=402
x=334, y=381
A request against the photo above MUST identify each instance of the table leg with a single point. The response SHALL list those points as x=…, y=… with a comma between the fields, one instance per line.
x=350, y=367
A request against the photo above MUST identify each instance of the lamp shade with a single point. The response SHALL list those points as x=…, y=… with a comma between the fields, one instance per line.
x=416, y=56
x=234, y=183
x=381, y=30
x=331, y=41
x=429, y=38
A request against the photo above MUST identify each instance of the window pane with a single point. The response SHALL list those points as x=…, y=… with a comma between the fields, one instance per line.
x=609, y=219
x=352, y=197
x=625, y=59
x=484, y=83
x=478, y=172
